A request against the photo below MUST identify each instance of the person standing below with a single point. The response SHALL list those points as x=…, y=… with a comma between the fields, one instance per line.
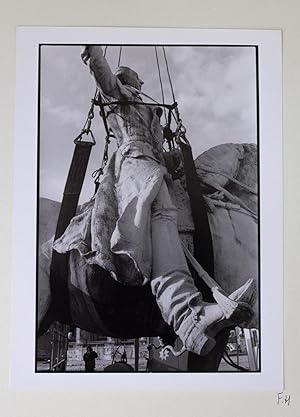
x=89, y=359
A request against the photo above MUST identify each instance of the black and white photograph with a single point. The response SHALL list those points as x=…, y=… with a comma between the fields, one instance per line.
x=148, y=209
x=154, y=245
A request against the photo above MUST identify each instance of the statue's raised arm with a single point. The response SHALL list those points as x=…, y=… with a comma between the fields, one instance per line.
x=109, y=83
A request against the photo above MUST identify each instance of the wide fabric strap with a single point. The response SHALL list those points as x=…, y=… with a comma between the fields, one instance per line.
x=59, y=269
x=203, y=247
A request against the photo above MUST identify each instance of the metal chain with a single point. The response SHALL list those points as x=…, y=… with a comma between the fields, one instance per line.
x=99, y=172
x=86, y=130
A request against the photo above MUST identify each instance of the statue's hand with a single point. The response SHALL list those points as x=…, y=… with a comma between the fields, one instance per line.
x=90, y=50
x=85, y=55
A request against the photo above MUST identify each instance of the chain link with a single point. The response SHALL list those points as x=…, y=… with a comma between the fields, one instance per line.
x=86, y=130
x=99, y=172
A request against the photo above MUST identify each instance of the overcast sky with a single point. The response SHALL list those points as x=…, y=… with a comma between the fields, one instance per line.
x=215, y=88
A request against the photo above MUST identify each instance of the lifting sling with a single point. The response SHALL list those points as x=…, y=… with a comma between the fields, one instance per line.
x=59, y=264
x=203, y=248
x=59, y=309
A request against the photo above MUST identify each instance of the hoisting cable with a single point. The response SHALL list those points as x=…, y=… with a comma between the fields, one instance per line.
x=160, y=81
x=180, y=130
x=120, y=53
x=168, y=72
x=167, y=131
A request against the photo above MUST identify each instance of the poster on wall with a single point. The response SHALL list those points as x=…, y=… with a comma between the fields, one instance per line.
x=150, y=163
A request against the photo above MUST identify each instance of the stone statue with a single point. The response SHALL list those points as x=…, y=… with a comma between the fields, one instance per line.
x=128, y=232
x=130, y=227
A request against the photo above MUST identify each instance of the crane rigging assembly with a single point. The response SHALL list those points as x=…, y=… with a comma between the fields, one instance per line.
x=174, y=135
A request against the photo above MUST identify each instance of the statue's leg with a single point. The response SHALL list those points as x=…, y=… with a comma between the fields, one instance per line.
x=210, y=362
x=178, y=298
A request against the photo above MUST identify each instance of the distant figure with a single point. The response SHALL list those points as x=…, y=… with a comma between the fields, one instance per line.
x=124, y=357
x=89, y=359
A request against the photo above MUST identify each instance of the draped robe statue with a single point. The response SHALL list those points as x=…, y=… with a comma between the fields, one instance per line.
x=127, y=236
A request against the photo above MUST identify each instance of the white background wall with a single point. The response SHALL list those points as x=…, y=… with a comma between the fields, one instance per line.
x=260, y=14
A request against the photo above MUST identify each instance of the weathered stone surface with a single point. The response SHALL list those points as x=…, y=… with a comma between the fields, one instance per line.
x=235, y=234
x=221, y=159
x=185, y=221
x=219, y=164
x=234, y=229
